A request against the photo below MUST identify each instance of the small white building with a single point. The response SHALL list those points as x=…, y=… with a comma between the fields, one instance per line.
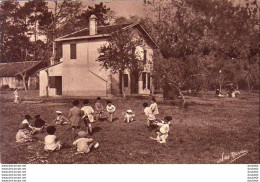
x=79, y=74
x=11, y=74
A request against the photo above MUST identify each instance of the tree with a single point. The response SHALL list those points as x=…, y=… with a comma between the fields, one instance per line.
x=13, y=38
x=120, y=53
x=208, y=36
x=59, y=13
x=99, y=10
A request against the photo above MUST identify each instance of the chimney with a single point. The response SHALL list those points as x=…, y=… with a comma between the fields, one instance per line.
x=92, y=25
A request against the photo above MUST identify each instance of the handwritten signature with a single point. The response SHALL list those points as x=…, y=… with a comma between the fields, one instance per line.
x=232, y=157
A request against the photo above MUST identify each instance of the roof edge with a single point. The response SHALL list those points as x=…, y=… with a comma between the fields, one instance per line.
x=49, y=66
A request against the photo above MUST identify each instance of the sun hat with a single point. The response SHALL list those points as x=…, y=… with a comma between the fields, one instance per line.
x=82, y=134
x=129, y=111
x=58, y=112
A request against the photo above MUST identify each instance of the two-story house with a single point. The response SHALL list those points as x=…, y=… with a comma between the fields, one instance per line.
x=79, y=74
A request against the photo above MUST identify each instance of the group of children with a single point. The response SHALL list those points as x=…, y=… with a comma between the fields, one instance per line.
x=87, y=115
x=164, y=125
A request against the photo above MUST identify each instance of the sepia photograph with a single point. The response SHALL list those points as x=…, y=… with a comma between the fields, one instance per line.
x=129, y=82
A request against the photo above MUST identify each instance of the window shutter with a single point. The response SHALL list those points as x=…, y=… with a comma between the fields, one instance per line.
x=73, y=51
x=144, y=79
x=145, y=56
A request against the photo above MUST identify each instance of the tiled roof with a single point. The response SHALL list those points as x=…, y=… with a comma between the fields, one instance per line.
x=14, y=68
x=100, y=31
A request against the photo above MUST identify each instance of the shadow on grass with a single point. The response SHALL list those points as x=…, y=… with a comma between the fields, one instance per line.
x=96, y=129
x=115, y=119
x=102, y=119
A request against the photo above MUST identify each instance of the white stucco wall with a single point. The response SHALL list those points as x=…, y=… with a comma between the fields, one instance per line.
x=84, y=76
x=10, y=81
x=55, y=70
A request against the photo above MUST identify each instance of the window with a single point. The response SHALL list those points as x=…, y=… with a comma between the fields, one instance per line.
x=144, y=79
x=145, y=56
x=149, y=81
x=125, y=77
x=73, y=51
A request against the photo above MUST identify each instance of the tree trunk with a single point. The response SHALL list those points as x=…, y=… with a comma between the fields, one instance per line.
x=248, y=85
x=24, y=81
x=123, y=90
x=182, y=97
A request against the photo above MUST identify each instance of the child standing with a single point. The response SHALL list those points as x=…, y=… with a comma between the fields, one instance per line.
x=129, y=116
x=154, y=107
x=60, y=119
x=51, y=142
x=149, y=114
x=16, y=97
x=24, y=134
x=162, y=133
x=75, y=116
x=83, y=144
x=88, y=117
x=111, y=110
x=99, y=107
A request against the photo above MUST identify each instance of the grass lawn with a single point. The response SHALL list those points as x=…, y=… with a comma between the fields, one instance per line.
x=209, y=128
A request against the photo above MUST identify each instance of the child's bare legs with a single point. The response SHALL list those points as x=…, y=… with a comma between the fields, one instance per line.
x=111, y=117
x=58, y=145
x=148, y=123
x=73, y=132
x=90, y=128
x=127, y=119
x=99, y=116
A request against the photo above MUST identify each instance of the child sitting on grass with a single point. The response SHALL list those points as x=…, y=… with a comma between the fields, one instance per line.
x=149, y=114
x=83, y=144
x=129, y=116
x=39, y=124
x=24, y=134
x=60, y=119
x=162, y=133
x=111, y=110
x=51, y=142
x=27, y=120
x=75, y=116
x=99, y=108
x=88, y=117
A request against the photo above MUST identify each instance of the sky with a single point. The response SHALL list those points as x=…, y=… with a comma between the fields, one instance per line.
x=120, y=7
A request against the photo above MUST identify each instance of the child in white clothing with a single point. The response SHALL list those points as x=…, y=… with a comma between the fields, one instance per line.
x=24, y=134
x=83, y=144
x=149, y=114
x=99, y=108
x=129, y=116
x=16, y=97
x=162, y=133
x=111, y=110
x=88, y=117
x=27, y=120
x=60, y=119
x=51, y=142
